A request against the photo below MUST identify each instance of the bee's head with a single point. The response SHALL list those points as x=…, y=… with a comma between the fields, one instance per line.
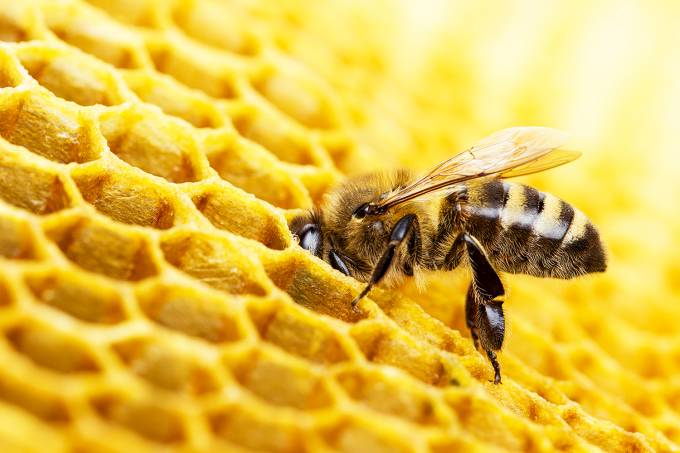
x=307, y=229
x=349, y=216
x=352, y=212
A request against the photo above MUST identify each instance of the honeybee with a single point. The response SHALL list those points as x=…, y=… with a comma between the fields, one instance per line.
x=380, y=228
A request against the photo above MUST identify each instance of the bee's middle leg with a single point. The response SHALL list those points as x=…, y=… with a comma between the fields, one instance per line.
x=471, y=315
x=484, y=314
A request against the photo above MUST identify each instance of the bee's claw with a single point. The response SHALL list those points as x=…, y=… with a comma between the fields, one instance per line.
x=496, y=366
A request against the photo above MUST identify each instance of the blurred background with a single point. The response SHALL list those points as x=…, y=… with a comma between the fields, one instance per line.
x=426, y=79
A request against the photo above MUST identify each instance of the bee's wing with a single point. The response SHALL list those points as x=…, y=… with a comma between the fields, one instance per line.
x=552, y=159
x=511, y=152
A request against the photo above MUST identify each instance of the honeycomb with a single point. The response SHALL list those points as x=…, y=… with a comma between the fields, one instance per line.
x=153, y=299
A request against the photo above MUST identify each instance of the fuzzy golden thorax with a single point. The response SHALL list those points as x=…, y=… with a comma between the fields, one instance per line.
x=361, y=241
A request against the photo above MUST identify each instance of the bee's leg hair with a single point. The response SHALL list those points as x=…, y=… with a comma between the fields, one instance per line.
x=337, y=262
x=397, y=236
x=489, y=320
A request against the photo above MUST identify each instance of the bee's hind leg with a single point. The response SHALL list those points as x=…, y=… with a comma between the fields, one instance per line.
x=483, y=311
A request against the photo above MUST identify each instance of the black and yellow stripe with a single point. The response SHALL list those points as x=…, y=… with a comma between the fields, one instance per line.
x=527, y=231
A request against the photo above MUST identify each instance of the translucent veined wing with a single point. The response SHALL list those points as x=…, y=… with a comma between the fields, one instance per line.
x=553, y=159
x=507, y=153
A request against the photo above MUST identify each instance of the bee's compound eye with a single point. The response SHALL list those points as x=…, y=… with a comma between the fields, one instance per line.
x=361, y=211
x=310, y=238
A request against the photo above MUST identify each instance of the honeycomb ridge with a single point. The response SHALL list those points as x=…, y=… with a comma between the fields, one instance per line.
x=151, y=295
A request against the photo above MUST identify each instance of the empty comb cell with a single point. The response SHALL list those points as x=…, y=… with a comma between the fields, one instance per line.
x=380, y=344
x=77, y=295
x=140, y=13
x=149, y=419
x=311, y=286
x=52, y=130
x=10, y=76
x=29, y=185
x=348, y=435
x=44, y=404
x=340, y=148
x=94, y=33
x=256, y=171
x=243, y=426
x=317, y=181
x=282, y=138
x=191, y=311
x=165, y=368
x=197, y=67
x=508, y=433
x=211, y=259
x=121, y=254
x=127, y=198
x=388, y=394
x=153, y=143
x=298, y=334
x=231, y=211
x=215, y=23
x=279, y=380
x=51, y=349
x=175, y=99
x=18, y=21
x=297, y=94
x=17, y=241
x=77, y=78
x=6, y=294
x=444, y=444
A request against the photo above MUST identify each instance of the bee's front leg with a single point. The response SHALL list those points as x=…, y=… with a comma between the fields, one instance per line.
x=483, y=311
x=400, y=231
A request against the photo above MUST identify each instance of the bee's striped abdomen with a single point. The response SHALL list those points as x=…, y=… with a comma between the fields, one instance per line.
x=531, y=232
